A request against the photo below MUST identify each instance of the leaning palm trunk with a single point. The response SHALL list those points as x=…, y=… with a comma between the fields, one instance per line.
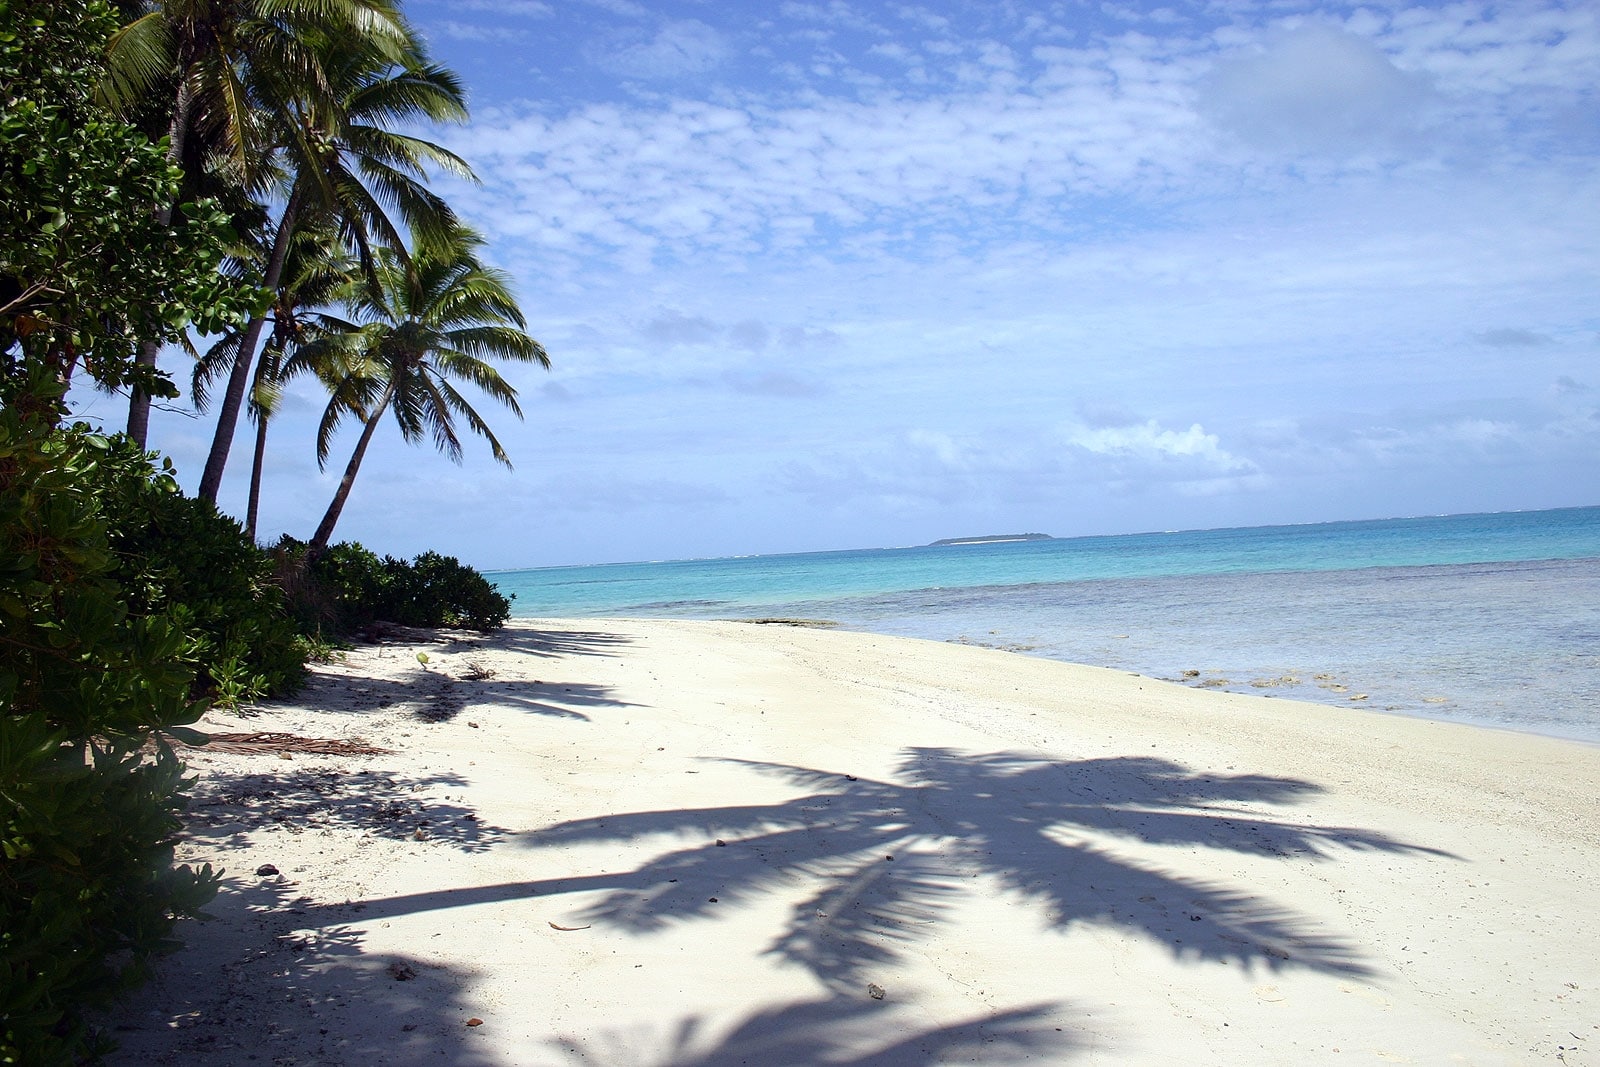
x=266, y=369
x=139, y=400
x=239, y=377
x=254, y=507
x=324, y=534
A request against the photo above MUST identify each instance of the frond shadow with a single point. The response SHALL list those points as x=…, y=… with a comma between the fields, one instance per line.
x=440, y=691
x=332, y=1001
x=557, y=699
x=889, y=859
x=832, y=1031
x=327, y=799
x=555, y=644
x=548, y=644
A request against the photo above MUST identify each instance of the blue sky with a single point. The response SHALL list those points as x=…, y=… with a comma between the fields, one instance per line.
x=835, y=274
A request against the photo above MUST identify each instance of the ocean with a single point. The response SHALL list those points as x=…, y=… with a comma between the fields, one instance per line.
x=1487, y=619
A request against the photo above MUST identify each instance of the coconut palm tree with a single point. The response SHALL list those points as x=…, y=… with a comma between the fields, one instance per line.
x=207, y=57
x=316, y=271
x=445, y=318
x=342, y=161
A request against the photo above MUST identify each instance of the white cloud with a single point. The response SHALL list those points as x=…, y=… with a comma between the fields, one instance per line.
x=772, y=383
x=1150, y=441
x=465, y=31
x=925, y=468
x=1317, y=88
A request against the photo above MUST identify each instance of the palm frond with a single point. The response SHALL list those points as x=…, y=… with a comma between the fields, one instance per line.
x=411, y=155
x=459, y=404
x=423, y=92
x=215, y=363
x=436, y=411
x=427, y=214
x=139, y=57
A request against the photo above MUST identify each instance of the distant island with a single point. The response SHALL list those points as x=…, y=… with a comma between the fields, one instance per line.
x=991, y=539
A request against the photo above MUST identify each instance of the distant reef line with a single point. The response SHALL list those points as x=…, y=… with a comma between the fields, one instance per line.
x=990, y=539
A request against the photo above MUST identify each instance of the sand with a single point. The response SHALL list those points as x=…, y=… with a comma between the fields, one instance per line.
x=642, y=843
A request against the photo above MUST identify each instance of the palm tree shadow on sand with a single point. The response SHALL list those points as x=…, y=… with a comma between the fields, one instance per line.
x=889, y=859
x=831, y=1031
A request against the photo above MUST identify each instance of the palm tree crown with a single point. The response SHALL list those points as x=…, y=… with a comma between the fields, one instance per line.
x=417, y=331
x=340, y=161
x=203, y=64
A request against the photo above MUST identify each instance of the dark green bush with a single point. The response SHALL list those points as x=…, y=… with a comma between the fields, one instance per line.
x=176, y=552
x=349, y=587
x=89, y=789
x=356, y=581
x=435, y=590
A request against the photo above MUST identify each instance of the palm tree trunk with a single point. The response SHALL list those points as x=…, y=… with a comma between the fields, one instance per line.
x=139, y=400
x=255, y=476
x=239, y=377
x=319, y=540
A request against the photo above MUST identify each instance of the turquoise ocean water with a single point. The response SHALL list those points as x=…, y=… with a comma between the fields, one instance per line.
x=1489, y=619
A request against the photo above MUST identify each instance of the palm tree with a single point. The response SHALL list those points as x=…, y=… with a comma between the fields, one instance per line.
x=341, y=161
x=317, y=269
x=443, y=318
x=207, y=56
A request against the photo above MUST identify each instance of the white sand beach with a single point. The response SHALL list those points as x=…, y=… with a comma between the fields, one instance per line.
x=650, y=843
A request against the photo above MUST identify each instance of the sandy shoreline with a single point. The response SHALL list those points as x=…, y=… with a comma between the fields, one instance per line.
x=653, y=842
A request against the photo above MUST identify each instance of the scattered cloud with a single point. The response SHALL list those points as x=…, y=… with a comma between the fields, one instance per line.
x=465, y=31
x=930, y=468
x=803, y=338
x=676, y=328
x=625, y=8
x=512, y=8
x=772, y=383
x=749, y=335
x=1513, y=338
x=1316, y=88
x=1149, y=442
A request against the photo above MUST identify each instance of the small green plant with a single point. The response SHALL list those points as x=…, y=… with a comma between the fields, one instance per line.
x=233, y=685
x=318, y=649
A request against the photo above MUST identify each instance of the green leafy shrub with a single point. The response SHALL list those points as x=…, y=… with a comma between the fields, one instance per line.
x=338, y=593
x=435, y=590
x=180, y=553
x=89, y=789
x=348, y=587
x=87, y=268
x=357, y=582
x=89, y=685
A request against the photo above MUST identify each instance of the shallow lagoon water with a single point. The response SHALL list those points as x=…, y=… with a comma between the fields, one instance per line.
x=1489, y=619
